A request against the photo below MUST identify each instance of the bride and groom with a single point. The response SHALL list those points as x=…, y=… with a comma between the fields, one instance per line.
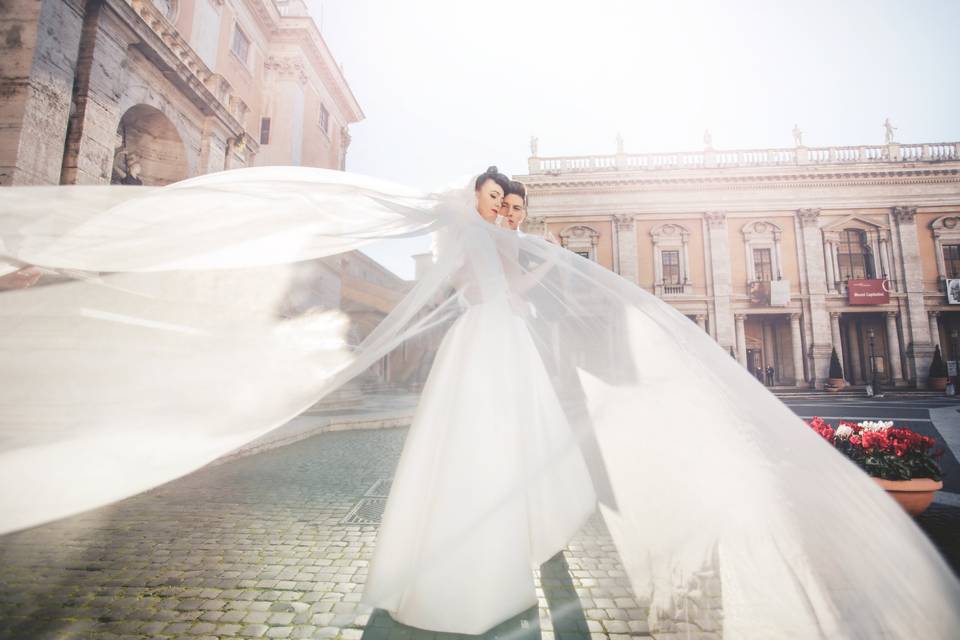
x=494, y=479
x=489, y=485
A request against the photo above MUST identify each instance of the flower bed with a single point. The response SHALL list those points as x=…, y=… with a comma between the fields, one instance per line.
x=884, y=451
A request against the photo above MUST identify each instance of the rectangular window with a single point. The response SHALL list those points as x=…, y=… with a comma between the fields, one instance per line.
x=670, y=261
x=951, y=260
x=584, y=254
x=241, y=44
x=324, y=118
x=762, y=265
x=853, y=256
x=853, y=266
x=264, y=130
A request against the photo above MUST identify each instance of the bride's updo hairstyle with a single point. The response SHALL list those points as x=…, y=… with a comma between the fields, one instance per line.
x=492, y=173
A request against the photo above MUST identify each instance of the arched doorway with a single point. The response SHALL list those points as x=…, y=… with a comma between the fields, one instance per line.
x=149, y=149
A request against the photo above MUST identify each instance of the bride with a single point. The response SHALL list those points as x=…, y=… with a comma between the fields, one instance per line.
x=488, y=487
x=161, y=335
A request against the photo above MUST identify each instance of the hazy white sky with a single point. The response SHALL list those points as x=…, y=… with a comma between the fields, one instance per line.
x=450, y=86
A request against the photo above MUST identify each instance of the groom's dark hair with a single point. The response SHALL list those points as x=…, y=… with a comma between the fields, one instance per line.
x=516, y=189
x=492, y=173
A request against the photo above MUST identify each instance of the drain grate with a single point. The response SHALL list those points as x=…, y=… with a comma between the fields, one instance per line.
x=380, y=488
x=367, y=511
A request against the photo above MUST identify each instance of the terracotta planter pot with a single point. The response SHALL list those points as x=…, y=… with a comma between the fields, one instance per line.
x=937, y=384
x=835, y=384
x=913, y=495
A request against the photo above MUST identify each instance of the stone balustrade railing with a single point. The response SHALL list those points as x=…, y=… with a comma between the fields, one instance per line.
x=717, y=158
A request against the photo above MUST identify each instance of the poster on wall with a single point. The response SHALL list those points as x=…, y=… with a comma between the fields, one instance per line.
x=779, y=293
x=953, y=291
x=872, y=291
x=759, y=292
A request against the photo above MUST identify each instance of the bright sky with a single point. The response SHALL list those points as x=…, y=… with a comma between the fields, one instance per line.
x=450, y=86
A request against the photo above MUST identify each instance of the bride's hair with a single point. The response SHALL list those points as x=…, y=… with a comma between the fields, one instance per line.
x=492, y=173
x=517, y=189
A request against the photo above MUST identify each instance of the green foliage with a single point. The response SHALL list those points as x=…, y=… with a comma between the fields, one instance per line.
x=938, y=368
x=836, y=371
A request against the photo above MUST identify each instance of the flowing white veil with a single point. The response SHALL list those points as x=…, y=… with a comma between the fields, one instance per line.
x=175, y=324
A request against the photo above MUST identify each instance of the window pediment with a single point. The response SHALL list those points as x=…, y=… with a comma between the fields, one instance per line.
x=668, y=231
x=947, y=226
x=855, y=222
x=761, y=230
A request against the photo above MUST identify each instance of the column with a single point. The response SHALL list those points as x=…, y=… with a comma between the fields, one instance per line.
x=799, y=378
x=893, y=348
x=819, y=321
x=835, y=261
x=721, y=278
x=835, y=335
x=41, y=71
x=856, y=375
x=702, y=322
x=95, y=110
x=915, y=322
x=884, y=259
x=769, y=349
x=831, y=274
x=741, y=340
x=935, y=329
x=627, y=247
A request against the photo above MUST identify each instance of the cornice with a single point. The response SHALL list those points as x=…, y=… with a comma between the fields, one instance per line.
x=302, y=31
x=619, y=182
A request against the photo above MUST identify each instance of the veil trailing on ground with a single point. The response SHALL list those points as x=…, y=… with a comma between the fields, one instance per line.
x=172, y=325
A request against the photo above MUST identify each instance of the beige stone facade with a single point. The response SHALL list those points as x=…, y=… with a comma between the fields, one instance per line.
x=182, y=88
x=762, y=248
x=177, y=87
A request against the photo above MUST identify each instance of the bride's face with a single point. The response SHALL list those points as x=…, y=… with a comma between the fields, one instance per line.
x=489, y=199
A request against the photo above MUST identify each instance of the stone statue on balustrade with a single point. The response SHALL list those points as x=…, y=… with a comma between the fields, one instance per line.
x=534, y=146
x=707, y=139
x=619, y=143
x=888, y=130
x=797, y=136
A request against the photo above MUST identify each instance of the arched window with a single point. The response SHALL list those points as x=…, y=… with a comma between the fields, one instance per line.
x=582, y=240
x=854, y=257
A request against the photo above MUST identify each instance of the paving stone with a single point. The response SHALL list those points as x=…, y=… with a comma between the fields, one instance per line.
x=254, y=547
x=280, y=618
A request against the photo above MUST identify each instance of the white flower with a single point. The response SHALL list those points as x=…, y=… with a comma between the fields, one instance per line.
x=844, y=431
x=878, y=425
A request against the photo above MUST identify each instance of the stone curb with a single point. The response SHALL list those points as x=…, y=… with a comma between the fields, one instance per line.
x=306, y=426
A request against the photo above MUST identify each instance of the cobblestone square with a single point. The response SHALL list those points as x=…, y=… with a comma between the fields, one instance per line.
x=261, y=546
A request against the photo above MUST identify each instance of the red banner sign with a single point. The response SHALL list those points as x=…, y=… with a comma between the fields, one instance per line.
x=868, y=291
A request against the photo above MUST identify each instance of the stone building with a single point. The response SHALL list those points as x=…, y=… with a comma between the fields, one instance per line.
x=94, y=90
x=155, y=91
x=781, y=255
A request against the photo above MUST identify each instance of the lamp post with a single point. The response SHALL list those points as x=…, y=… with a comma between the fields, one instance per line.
x=954, y=334
x=873, y=391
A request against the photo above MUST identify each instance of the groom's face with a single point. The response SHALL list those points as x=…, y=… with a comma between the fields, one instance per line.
x=513, y=210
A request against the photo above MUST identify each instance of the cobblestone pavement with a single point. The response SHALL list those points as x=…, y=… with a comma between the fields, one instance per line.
x=255, y=548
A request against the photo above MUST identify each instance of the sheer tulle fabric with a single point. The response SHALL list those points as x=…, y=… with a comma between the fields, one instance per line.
x=174, y=324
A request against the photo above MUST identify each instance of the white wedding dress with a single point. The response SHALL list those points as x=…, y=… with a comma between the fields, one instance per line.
x=490, y=484
x=161, y=337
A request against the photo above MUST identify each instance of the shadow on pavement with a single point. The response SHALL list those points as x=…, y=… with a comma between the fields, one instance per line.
x=566, y=613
